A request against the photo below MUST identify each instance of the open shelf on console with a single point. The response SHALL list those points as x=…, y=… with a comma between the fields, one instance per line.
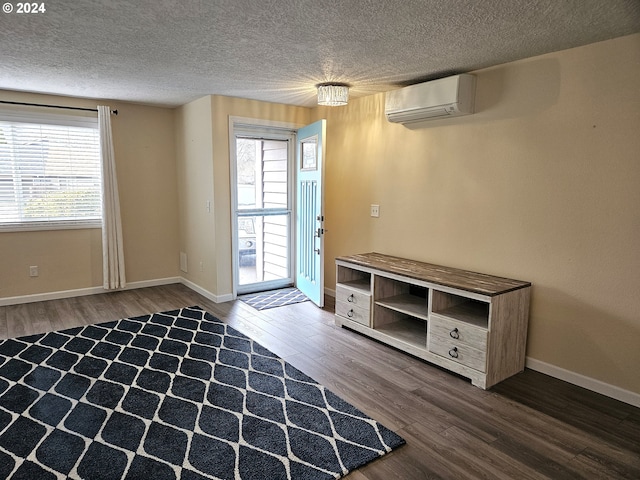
x=468, y=310
x=401, y=297
x=361, y=284
x=353, y=278
x=407, y=304
x=406, y=329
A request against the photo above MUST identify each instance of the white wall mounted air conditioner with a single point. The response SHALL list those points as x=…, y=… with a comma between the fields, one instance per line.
x=445, y=97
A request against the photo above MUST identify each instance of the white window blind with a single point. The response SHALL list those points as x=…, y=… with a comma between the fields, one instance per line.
x=50, y=173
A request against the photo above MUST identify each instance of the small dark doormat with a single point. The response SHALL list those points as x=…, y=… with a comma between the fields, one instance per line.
x=274, y=298
x=171, y=395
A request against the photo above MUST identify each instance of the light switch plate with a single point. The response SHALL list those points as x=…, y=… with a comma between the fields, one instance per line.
x=375, y=210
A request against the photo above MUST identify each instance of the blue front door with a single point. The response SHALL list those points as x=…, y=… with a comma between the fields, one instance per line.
x=310, y=211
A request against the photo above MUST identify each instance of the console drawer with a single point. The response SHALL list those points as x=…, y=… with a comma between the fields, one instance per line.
x=353, y=297
x=458, y=332
x=458, y=352
x=351, y=312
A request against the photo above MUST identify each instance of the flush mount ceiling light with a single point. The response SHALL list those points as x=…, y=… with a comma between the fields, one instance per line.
x=333, y=94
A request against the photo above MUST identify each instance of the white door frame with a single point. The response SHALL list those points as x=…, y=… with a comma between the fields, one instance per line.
x=255, y=128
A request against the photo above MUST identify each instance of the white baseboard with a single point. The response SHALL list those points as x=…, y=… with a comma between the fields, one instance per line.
x=42, y=297
x=589, y=383
x=227, y=297
x=153, y=283
x=80, y=292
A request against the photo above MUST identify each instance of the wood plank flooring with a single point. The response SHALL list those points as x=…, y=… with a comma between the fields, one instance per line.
x=530, y=426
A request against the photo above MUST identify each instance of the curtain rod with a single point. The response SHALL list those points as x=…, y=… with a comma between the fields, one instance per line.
x=115, y=112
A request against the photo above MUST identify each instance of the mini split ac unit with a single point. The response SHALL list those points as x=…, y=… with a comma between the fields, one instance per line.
x=445, y=97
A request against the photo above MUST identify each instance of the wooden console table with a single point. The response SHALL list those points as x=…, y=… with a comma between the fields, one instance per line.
x=467, y=322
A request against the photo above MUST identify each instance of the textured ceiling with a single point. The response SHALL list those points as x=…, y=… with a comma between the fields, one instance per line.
x=168, y=52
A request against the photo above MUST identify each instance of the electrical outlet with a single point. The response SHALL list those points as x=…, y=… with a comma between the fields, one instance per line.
x=33, y=271
x=375, y=210
x=183, y=262
x=202, y=266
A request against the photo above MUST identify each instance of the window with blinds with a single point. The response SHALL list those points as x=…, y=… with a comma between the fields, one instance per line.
x=50, y=174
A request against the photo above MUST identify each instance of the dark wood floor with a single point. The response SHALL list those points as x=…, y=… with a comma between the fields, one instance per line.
x=528, y=427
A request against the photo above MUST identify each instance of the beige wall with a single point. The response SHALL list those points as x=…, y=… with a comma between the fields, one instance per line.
x=194, y=158
x=203, y=159
x=72, y=259
x=223, y=108
x=542, y=184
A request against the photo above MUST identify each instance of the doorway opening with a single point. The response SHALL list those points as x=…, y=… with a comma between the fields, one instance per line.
x=262, y=182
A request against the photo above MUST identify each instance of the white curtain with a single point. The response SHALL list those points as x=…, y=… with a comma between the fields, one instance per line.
x=112, y=251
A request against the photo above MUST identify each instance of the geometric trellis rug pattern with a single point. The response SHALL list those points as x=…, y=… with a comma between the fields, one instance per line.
x=172, y=395
x=274, y=298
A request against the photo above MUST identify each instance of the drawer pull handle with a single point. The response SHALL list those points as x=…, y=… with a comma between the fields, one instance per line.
x=350, y=313
x=453, y=353
x=350, y=298
x=454, y=333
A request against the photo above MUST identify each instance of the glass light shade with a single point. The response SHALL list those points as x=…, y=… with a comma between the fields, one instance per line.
x=333, y=95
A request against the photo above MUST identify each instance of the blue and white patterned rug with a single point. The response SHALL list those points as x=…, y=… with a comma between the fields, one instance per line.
x=274, y=298
x=171, y=395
